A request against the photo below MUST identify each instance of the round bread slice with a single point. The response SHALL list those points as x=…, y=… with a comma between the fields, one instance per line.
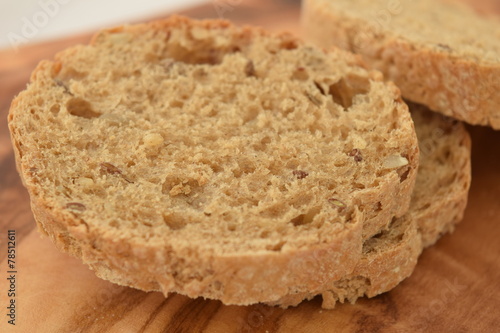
x=211, y=160
x=440, y=54
x=438, y=203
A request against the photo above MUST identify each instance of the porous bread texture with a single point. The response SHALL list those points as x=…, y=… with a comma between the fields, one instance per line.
x=210, y=160
x=440, y=54
x=438, y=203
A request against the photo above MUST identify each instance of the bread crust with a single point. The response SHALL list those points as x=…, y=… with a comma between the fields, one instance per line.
x=436, y=77
x=375, y=273
x=242, y=279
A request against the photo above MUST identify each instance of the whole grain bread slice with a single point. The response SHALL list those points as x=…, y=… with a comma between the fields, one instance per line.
x=439, y=53
x=211, y=160
x=438, y=203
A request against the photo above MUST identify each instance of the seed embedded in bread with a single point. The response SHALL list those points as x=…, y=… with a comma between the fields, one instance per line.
x=76, y=206
x=395, y=161
x=356, y=154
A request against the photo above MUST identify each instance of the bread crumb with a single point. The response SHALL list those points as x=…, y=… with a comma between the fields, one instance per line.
x=359, y=142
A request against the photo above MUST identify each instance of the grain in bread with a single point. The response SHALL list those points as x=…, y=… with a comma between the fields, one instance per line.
x=210, y=160
x=440, y=54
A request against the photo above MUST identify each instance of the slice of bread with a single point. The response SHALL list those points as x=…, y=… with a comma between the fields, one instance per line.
x=440, y=54
x=438, y=203
x=210, y=160
x=440, y=198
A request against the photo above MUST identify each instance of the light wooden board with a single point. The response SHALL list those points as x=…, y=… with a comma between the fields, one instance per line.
x=455, y=287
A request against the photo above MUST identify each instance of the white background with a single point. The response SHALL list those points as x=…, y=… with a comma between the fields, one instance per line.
x=34, y=21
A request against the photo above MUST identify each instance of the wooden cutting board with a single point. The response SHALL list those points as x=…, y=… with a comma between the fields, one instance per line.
x=455, y=287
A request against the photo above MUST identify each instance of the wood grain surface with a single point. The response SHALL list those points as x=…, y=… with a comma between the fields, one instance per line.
x=455, y=287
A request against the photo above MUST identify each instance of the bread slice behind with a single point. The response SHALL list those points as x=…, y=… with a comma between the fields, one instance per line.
x=441, y=54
